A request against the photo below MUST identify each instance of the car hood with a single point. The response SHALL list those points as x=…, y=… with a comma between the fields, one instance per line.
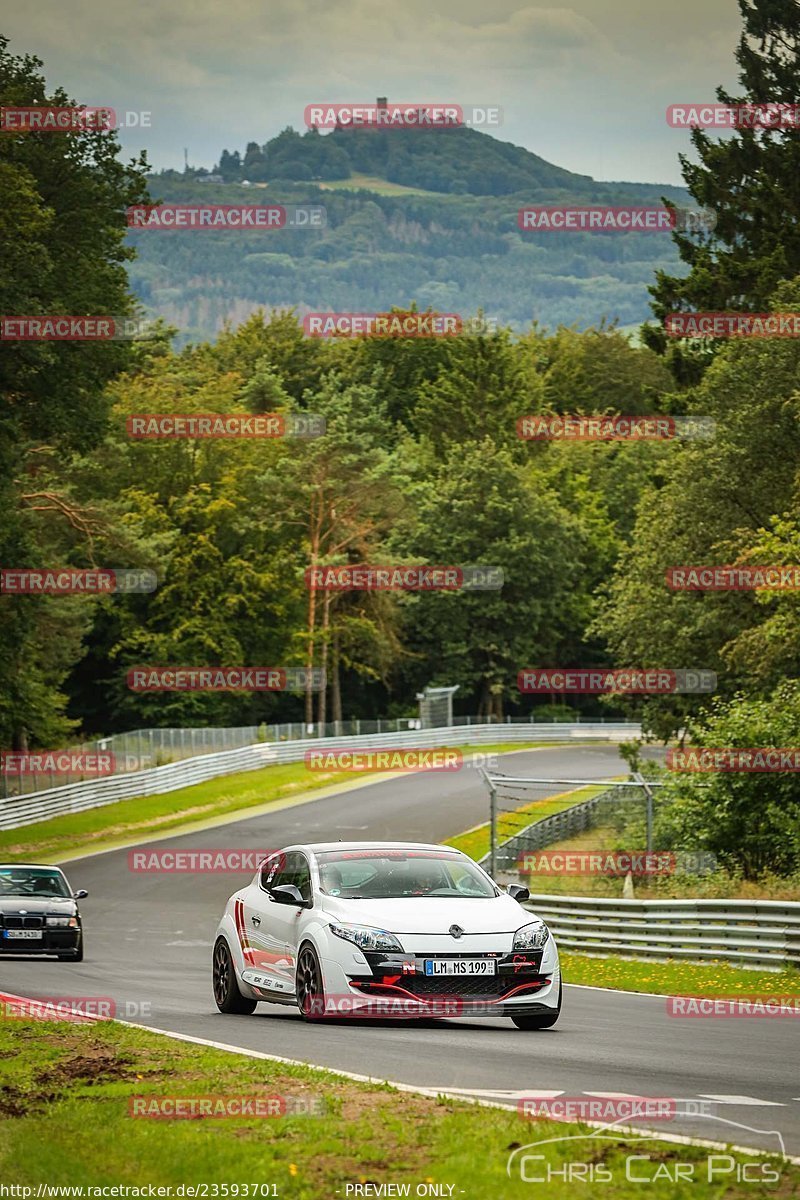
x=36, y=905
x=497, y=914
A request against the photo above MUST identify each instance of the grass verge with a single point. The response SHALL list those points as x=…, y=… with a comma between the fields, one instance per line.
x=127, y=821
x=676, y=978
x=66, y=1092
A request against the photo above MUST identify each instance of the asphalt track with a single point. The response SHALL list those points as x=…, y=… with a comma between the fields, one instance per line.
x=149, y=942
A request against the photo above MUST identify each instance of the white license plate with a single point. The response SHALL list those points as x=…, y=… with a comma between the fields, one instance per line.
x=24, y=935
x=460, y=966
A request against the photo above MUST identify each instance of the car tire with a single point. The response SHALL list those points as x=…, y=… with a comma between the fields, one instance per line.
x=540, y=1020
x=227, y=996
x=309, y=987
x=72, y=955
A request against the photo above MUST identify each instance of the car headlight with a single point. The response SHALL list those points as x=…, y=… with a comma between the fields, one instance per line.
x=62, y=922
x=531, y=937
x=366, y=938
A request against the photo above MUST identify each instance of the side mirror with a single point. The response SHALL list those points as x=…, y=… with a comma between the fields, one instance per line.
x=81, y=894
x=517, y=892
x=287, y=893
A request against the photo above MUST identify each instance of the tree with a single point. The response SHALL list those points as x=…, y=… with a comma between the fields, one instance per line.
x=63, y=198
x=751, y=180
x=750, y=820
x=714, y=503
x=480, y=507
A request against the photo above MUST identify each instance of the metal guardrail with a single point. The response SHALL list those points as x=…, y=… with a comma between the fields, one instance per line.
x=140, y=749
x=748, y=933
x=16, y=811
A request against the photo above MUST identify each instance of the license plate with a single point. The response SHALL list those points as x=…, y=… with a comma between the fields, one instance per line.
x=460, y=966
x=25, y=935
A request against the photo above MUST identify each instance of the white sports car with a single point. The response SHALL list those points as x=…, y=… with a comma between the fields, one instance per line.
x=384, y=929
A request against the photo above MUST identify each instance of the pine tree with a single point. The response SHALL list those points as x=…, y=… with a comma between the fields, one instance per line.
x=750, y=179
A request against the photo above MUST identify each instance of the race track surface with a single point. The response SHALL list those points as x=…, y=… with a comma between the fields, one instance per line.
x=149, y=947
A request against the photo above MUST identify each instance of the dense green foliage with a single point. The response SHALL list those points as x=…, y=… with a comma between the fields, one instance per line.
x=420, y=461
x=457, y=251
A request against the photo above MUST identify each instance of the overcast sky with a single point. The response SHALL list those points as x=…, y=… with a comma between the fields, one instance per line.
x=583, y=84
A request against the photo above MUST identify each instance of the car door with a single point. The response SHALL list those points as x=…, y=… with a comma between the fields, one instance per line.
x=286, y=919
x=262, y=930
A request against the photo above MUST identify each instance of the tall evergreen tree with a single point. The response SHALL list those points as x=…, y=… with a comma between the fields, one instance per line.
x=751, y=180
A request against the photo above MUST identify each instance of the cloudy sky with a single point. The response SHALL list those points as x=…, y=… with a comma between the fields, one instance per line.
x=583, y=84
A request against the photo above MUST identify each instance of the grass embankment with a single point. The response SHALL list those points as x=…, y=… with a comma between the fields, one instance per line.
x=676, y=978
x=127, y=821
x=715, y=885
x=66, y=1092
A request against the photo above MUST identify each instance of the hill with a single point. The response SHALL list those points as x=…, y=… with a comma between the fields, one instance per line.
x=426, y=217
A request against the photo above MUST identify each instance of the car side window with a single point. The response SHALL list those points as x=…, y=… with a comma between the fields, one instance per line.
x=297, y=872
x=302, y=878
x=271, y=873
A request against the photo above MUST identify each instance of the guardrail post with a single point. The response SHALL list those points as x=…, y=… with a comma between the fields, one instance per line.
x=648, y=791
x=492, y=832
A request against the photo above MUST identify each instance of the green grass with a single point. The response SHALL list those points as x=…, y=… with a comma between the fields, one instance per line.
x=373, y=183
x=476, y=842
x=676, y=978
x=65, y=1092
x=127, y=821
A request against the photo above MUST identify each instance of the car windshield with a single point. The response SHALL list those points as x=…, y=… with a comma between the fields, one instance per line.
x=395, y=874
x=33, y=881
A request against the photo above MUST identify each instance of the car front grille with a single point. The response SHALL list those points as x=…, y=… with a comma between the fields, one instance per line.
x=23, y=922
x=450, y=985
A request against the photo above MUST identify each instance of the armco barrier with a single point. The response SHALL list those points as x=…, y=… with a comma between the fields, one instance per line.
x=749, y=933
x=16, y=811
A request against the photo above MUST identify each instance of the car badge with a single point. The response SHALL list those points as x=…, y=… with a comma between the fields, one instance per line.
x=455, y=931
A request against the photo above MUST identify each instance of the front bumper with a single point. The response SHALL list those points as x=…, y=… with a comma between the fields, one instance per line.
x=395, y=984
x=51, y=941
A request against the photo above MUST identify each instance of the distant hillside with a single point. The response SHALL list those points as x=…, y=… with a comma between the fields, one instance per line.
x=454, y=161
x=452, y=242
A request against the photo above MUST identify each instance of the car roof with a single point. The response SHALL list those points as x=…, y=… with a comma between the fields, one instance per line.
x=38, y=866
x=323, y=847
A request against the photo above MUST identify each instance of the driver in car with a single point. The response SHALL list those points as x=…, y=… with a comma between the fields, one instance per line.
x=426, y=877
